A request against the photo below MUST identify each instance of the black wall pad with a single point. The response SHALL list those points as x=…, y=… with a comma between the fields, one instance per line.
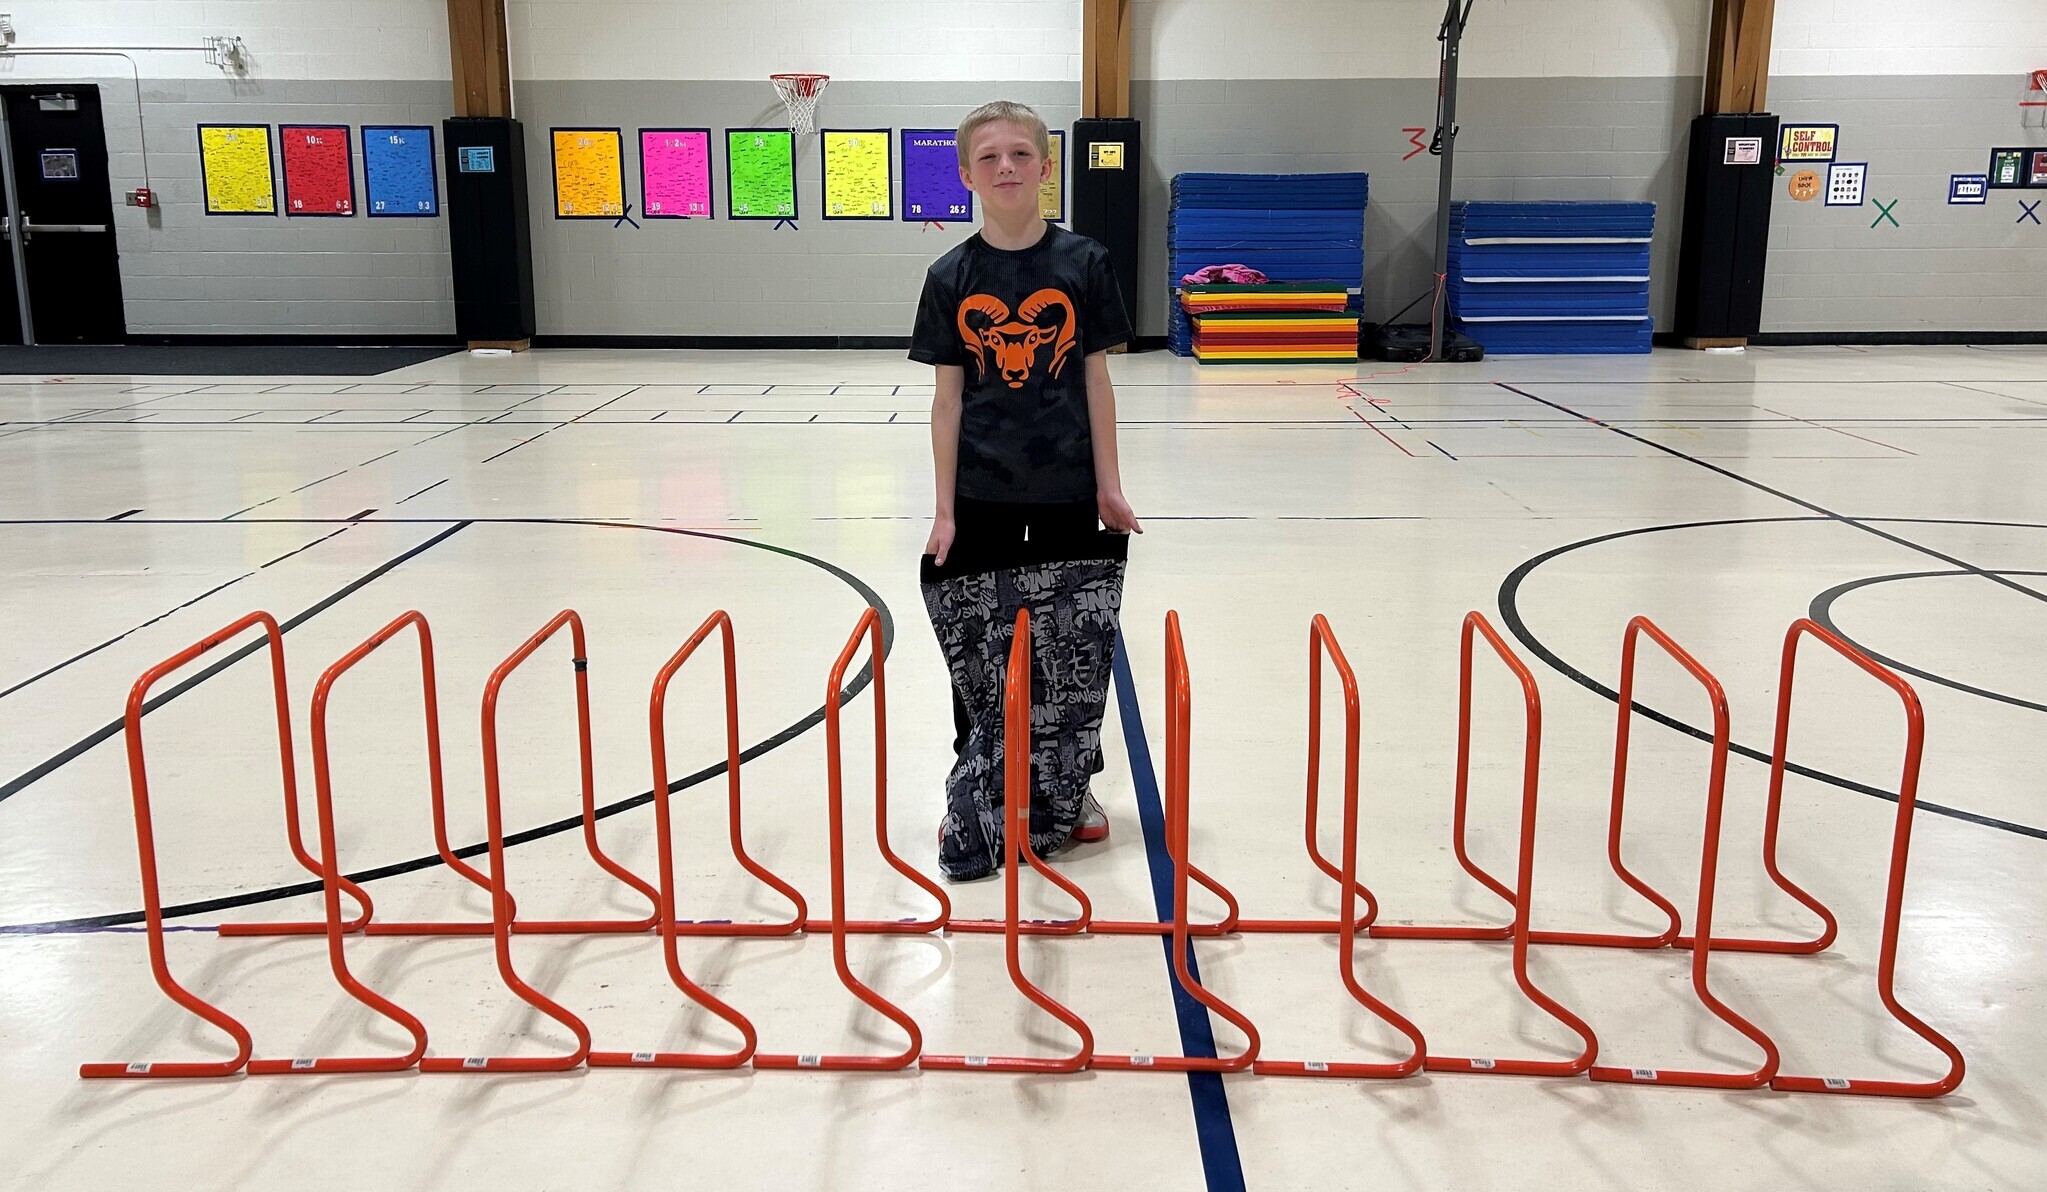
x=490, y=235
x=1105, y=194
x=1724, y=247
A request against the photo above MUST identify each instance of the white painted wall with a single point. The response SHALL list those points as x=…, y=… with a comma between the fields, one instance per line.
x=285, y=39
x=1910, y=37
x=1038, y=40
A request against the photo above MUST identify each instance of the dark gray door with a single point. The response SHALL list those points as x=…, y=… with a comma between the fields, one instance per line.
x=65, y=211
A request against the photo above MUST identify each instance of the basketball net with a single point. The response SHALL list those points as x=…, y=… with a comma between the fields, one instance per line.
x=2033, y=104
x=799, y=95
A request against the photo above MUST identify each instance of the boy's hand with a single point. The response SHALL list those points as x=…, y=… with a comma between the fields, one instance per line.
x=940, y=542
x=1115, y=513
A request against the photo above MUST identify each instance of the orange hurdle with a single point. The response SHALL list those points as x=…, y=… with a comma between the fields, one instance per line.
x=145, y=848
x=1894, y=888
x=1709, y=865
x=1017, y=851
x=1179, y=729
x=323, y=793
x=1518, y=898
x=868, y=629
x=1321, y=636
x=501, y=899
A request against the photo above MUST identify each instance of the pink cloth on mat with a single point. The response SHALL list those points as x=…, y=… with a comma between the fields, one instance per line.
x=1242, y=275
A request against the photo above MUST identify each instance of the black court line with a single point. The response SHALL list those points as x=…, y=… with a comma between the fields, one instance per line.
x=322, y=480
x=358, y=516
x=853, y=688
x=124, y=516
x=258, y=505
x=373, y=459
x=429, y=488
x=1432, y=443
x=1822, y=610
x=42, y=770
x=308, y=546
x=1802, y=503
x=1510, y=614
x=84, y=654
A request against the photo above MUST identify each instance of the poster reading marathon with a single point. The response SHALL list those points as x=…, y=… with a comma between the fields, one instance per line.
x=932, y=189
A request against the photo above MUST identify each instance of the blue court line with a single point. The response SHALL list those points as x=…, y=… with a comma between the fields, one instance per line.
x=1213, y=1130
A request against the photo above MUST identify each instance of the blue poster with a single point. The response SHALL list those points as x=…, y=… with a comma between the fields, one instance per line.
x=399, y=175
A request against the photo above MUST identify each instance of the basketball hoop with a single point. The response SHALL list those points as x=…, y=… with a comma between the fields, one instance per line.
x=2033, y=104
x=799, y=94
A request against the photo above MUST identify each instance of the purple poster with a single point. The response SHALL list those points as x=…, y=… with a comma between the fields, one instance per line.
x=675, y=172
x=932, y=189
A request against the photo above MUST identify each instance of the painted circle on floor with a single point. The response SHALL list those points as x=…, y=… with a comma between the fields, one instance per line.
x=1510, y=613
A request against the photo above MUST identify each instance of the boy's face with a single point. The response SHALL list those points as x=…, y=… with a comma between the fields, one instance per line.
x=1005, y=168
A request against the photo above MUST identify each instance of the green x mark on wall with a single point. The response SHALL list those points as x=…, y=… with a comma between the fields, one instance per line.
x=1884, y=210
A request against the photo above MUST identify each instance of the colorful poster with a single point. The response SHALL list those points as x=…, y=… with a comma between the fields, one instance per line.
x=234, y=165
x=1052, y=195
x=760, y=173
x=589, y=173
x=399, y=174
x=675, y=173
x=1968, y=190
x=856, y=173
x=319, y=178
x=2007, y=168
x=932, y=189
x=1808, y=142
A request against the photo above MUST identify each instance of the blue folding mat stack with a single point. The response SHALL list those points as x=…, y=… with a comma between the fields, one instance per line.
x=1552, y=276
x=1290, y=227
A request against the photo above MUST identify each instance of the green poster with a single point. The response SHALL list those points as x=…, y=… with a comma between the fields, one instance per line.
x=760, y=173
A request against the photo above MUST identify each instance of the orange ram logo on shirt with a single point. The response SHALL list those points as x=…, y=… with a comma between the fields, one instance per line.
x=1045, y=317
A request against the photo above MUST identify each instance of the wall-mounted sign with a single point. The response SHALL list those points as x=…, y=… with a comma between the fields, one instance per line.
x=60, y=165
x=1846, y=182
x=1742, y=151
x=1968, y=190
x=2007, y=168
x=1808, y=142
x=477, y=159
x=1805, y=185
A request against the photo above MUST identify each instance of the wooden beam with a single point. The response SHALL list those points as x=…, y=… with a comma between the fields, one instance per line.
x=1738, y=56
x=479, y=54
x=1105, y=58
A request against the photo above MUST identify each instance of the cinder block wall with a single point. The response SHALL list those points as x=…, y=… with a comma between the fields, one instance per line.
x=1563, y=99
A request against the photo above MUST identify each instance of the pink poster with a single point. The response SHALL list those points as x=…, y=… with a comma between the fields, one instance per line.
x=675, y=172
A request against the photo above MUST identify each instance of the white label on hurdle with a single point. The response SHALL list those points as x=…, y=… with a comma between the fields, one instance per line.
x=303, y=1065
x=141, y=1069
x=808, y=1061
x=1837, y=1083
x=643, y=1057
x=976, y=1061
x=1482, y=1065
x=473, y=1062
x=1140, y=1061
x=1316, y=1065
x=1642, y=1073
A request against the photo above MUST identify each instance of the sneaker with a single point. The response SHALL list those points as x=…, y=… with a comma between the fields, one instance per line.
x=1093, y=827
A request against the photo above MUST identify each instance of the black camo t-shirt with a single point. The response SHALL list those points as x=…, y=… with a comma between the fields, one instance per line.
x=1021, y=323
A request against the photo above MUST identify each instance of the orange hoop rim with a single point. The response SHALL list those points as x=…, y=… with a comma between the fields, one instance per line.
x=804, y=83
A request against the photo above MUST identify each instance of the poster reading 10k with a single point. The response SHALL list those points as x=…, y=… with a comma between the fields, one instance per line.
x=932, y=190
x=589, y=174
x=760, y=173
x=856, y=174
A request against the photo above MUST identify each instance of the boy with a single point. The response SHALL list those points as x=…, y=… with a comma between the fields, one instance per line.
x=1018, y=321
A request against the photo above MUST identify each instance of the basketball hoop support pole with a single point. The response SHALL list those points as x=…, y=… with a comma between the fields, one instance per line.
x=1452, y=37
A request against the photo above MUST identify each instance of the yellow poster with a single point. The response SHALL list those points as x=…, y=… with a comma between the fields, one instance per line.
x=856, y=174
x=234, y=161
x=589, y=174
x=1052, y=195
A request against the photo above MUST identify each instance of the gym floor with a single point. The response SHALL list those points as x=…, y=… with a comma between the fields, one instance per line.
x=1892, y=494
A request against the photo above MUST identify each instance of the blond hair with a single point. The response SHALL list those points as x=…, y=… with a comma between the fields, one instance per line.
x=1002, y=109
